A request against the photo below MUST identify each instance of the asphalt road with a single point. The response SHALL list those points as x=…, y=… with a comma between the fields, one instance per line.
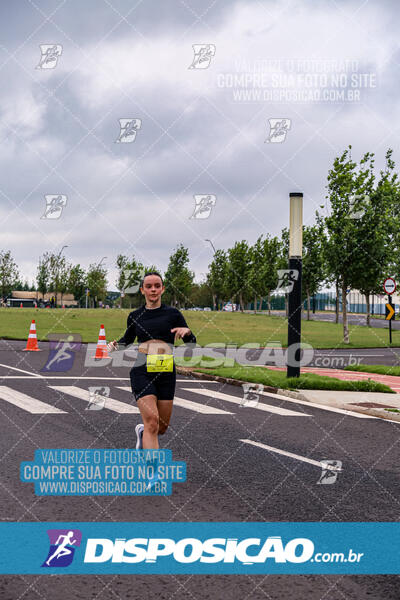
x=228, y=479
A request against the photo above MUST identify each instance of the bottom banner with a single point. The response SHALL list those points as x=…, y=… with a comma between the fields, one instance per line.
x=199, y=548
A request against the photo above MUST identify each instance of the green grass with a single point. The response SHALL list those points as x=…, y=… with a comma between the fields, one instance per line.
x=208, y=327
x=308, y=381
x=380, y=369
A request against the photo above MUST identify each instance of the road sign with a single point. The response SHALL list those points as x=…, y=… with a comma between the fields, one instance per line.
x=389, y=312
x=389, y=285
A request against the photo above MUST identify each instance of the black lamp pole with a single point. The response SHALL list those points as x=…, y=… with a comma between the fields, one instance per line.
x=295, y=268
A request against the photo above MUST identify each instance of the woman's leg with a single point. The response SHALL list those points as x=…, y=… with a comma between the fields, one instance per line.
x=164, y=412
x=149, y=411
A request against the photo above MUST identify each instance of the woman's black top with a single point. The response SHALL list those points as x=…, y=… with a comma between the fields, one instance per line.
x=155, y=324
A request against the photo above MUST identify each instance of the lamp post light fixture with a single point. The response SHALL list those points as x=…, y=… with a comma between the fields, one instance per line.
x=294, y=276
x=211, y=245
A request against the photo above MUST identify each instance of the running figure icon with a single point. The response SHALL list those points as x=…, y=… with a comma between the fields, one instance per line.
x=62, y=549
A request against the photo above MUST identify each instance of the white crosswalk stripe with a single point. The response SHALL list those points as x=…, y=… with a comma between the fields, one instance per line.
x=278, y=410
x=190, y=405
x=36, y=407
x=110, y=403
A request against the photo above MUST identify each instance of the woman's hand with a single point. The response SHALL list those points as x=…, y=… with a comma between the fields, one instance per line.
x=180, y=332
x=112, y=346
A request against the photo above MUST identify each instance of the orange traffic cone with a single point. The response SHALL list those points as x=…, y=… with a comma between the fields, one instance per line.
x=101, y=348
x=32, y=344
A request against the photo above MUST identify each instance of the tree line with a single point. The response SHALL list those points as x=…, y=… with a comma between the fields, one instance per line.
x=354, y=244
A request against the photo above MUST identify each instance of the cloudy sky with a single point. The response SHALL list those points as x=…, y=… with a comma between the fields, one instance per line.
x=328, y=71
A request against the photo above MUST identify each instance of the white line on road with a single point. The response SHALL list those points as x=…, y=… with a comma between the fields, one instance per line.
x=22, y=371
x=317, y=463
x=260, y=406
x=77, y=392
x=195, y=406
x=36, y=407
x=62, y=377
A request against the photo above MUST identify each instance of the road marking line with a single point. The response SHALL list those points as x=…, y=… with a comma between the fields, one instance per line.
x=22, y=371
x=110, y=403
x=75, y=377
x=190, y=405
x=36, y=407
x=317, y=463
x=261, y=406
x=342, y=411
x=200, y=408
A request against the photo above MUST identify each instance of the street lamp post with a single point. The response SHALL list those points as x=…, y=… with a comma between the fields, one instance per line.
x=295, y=267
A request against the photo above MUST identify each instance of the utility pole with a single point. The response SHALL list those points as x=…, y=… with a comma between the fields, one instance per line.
x=294, y=276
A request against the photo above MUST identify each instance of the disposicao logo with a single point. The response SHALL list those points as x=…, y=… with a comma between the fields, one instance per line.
x=62, y=547
x=190, y=550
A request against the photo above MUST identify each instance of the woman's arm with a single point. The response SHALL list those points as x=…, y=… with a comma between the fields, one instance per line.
x=181, y=329
x=128, y=337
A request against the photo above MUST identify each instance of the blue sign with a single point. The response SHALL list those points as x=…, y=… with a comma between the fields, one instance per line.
x=200, y=548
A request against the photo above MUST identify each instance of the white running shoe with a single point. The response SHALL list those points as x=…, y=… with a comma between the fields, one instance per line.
x=139, y=436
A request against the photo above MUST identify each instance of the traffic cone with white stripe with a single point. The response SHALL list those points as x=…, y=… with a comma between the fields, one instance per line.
x=32, y=343
x=101, y=348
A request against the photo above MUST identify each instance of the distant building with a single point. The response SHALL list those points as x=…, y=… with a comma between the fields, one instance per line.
x=29, y=299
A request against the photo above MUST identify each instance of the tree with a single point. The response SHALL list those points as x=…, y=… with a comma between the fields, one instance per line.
x=77, y=283
x=200, y=294
x=43, y=274
x=97, y=282
x=341, y=250
x=216, y=277
x=255, y=277
x=271, y=252
x=130, y=272
x=9, y=274
x=178, y=278
x=373, y=230
x=282, y=261
x=58, y=273
x=313, y=272
x=263, y=275
x=238, y=272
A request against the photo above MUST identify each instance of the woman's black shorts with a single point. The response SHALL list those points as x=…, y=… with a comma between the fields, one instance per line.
x=144, y=383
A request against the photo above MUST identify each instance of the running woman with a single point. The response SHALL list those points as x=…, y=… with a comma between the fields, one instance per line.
x=153, y=376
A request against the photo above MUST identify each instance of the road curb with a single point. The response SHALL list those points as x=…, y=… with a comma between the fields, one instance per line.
x=381, y=413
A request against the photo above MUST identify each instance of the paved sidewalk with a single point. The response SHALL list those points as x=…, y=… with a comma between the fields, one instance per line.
x=391, y=380
x=374, y=404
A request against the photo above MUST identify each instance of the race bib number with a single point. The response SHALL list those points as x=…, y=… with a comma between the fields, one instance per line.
x=160, y=362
